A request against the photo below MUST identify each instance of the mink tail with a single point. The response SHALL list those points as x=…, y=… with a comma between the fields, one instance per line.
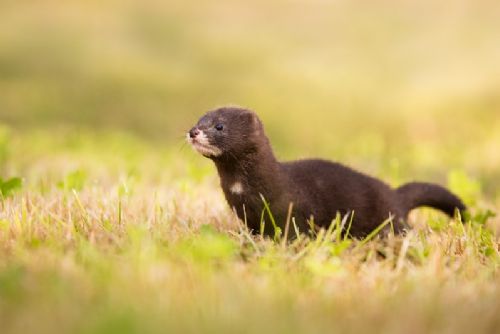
x=416, y=194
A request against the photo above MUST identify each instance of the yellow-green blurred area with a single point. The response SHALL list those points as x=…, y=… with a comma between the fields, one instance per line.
x=382, y=85
x=109, y=223
x=413, y=84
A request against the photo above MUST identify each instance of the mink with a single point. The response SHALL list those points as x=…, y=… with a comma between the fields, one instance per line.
x=251, y=177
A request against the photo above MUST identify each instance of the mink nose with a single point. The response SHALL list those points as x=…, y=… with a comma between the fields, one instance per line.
x=194, y=132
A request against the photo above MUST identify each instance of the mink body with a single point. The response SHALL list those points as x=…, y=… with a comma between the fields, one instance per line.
x=234, y=139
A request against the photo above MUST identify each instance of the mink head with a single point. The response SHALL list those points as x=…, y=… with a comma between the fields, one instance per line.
x=228, y=132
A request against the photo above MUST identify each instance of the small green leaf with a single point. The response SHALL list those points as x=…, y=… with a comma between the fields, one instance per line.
x=7, y=188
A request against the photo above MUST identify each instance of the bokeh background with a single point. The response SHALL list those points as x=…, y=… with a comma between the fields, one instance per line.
x=110, y=223
x=401, y=89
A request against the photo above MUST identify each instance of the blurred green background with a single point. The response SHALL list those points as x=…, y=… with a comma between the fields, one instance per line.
x=104, y=208
x=407, y=88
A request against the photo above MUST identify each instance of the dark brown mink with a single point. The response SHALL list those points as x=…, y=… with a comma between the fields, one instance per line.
x=234, y=139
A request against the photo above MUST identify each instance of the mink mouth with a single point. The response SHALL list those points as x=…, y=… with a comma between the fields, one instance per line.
x=202, y=146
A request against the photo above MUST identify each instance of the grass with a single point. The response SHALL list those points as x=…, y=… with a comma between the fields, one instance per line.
x=141, y=241
x=108, y=224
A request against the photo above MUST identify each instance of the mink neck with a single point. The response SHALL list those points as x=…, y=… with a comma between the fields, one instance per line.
x=252, y=167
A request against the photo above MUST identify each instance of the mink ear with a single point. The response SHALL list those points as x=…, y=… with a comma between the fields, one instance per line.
x=252, y=119
x=255, y=123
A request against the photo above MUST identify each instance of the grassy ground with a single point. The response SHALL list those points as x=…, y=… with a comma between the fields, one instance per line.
x=110, y=224
x=113, y=234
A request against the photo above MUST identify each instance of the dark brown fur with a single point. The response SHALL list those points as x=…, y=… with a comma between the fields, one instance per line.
x=317, y=188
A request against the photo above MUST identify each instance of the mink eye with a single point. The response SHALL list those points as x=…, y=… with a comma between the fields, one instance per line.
x=219, y=127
